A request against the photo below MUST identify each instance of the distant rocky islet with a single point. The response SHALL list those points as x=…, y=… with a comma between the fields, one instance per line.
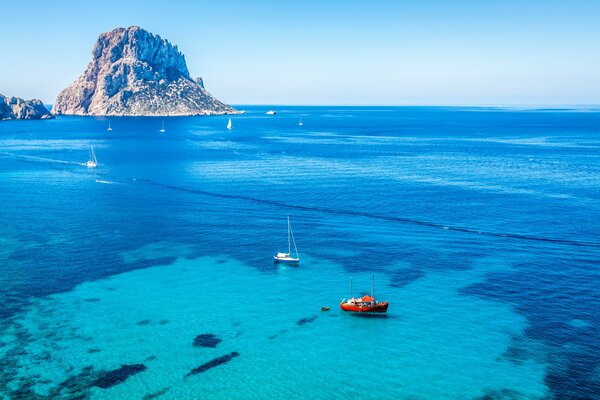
x=132, y=73
x=17, y=108
x=136, y=73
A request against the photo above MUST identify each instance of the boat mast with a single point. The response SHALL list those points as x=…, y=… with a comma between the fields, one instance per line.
x=289, y=238
x=373, y=287
x=350, y=287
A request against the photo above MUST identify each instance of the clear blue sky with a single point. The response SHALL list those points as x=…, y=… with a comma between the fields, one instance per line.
x=328, y=51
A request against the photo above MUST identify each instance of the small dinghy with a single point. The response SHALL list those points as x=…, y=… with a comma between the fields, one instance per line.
x=286, y=258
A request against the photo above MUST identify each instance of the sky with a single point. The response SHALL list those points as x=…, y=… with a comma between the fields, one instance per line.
x=328, y=51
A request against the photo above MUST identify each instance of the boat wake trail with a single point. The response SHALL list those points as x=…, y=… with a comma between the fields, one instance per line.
x=371, y=215
x=41, y=159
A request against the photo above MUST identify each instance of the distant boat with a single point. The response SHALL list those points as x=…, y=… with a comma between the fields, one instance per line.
x=229, y=124
x=365, y=304
x=271, y=112
x=109, y=127
x=92, y=162
x=162, y=129
x=286, y=258
x=300, y=123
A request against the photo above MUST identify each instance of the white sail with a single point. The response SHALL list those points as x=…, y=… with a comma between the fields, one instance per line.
x=291, y=235
x=229, y=124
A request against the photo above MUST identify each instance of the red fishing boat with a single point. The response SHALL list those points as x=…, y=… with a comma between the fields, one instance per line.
x=365, y=304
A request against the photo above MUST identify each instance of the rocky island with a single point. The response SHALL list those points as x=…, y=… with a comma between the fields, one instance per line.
x=136, y=73
x=17, y=108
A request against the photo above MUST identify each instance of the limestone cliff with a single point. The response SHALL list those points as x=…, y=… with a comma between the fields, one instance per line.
x=134, y=72
x=16, y=108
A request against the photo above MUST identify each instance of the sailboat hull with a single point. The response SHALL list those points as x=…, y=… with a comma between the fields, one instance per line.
x=380, y=307
x=286, y=260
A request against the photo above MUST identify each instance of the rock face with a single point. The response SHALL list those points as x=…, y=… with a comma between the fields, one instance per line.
x=134, y=72
x=16, y=108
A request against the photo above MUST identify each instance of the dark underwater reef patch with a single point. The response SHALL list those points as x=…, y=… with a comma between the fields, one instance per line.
x=89, y=377
x=92, y=300
x=502, y=394
x=215, y=362
x=306, y=320
x=154, y=395
x=108, y=379
x=74, y=387
x=551, y=293
x=276, y=335
x=143, y=322
x=406, y=276
x=206, y=340
x=522, y=349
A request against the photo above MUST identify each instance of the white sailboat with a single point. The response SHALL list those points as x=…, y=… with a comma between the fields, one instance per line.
x=109, y=127
x=92, y=162
x=162, y=129
x=229, y=124
x=300, y=123
x=287, y=258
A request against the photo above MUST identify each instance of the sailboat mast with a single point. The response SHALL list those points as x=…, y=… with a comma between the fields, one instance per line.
x=350, y=287
x=373, y=287
x=289, y=237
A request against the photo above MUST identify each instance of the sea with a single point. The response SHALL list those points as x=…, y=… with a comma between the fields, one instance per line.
x=151, y=276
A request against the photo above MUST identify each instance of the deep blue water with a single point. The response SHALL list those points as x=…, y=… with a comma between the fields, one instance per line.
x=406, y=193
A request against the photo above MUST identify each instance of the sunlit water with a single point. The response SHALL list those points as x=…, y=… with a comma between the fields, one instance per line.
x=481, y=226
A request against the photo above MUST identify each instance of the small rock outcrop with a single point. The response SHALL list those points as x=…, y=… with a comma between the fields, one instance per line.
x=16, y=108
x=136, y=73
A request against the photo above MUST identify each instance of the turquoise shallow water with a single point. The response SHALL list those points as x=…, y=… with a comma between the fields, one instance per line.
x=151, y=317
x=479, y=224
